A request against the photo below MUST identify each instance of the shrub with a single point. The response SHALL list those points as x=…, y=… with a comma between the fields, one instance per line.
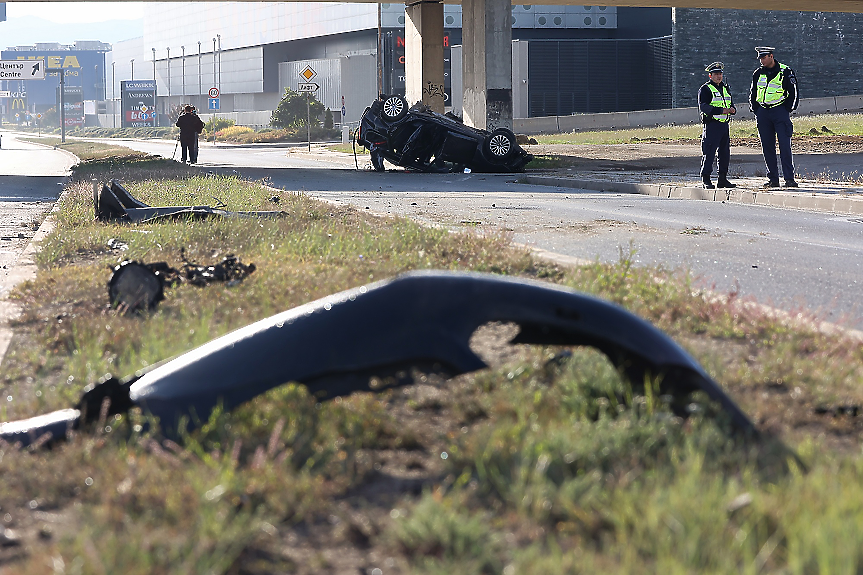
x=291, y=111
x=232, y=132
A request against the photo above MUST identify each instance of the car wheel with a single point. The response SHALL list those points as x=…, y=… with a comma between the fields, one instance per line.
x=499, y=145
x=394, y=108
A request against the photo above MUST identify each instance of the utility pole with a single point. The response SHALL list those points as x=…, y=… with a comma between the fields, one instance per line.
x=183, y=48
x=62, y=106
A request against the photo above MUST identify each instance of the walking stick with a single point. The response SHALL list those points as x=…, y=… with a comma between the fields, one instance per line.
x=175, y=147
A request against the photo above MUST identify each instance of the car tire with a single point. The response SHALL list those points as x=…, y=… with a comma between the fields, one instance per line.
x=394, y=108
x=499, y=145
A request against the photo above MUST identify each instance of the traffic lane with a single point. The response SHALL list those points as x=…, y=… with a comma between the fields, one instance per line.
x=20, y=158
x=786, y=258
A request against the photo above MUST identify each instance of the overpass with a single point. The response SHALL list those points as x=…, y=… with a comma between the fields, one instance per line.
x=487, y=47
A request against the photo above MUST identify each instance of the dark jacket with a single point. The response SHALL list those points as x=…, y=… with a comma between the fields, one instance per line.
x=190, y=125
x=705, y=96
x=789, y=84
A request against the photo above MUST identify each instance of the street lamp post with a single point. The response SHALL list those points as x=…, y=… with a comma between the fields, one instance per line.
x=169, y=74
x=113, y=101
x=200, y=85
x=219, y=83
x=155, y=89
x=132, y=62
x=183, y=48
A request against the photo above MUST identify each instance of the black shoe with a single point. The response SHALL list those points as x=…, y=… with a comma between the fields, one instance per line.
x=724, y=183
x=771, y=184
x=708, y=185
x=791, y=184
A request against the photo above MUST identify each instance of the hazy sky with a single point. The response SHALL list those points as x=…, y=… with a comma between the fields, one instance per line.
x=72, y=12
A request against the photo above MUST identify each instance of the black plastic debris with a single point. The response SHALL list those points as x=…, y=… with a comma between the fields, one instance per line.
x=388, y=332
x=114, y=203
x=135, y=287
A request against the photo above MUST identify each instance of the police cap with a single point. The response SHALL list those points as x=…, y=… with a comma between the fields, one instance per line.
x=715, y=67
x=764, y=50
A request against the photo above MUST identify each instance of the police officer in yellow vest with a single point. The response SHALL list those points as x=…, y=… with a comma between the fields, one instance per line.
x=773, y=96
x=717, y=107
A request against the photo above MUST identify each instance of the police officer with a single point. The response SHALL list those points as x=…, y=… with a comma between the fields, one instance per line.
x=773, y=96
x=717, y=107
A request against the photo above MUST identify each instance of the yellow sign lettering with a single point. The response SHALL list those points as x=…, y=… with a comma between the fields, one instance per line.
x=71, y=62
x=18, y=103
x=53, y=62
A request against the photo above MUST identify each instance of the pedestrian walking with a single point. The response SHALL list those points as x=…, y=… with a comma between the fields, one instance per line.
x=772, y=97
x=190, y=126
x=717, y=107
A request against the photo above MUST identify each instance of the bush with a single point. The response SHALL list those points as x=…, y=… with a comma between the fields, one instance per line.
x=291, y=111
x=328, y=120
x=232, y=132
x=215, y=124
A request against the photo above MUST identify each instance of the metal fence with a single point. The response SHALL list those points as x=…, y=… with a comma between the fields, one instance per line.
x=598, y=75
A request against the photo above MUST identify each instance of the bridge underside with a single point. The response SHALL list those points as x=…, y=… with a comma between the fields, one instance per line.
x=794, y=5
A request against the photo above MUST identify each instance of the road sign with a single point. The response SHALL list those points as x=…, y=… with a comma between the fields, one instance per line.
x=5, y=94
x=214, y=92
x=308, y=73
x=22, y=70
x=307, y=87
x=213, y=104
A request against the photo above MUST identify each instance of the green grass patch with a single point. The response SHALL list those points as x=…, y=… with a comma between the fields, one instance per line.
x=544, y=463
x=836, y=124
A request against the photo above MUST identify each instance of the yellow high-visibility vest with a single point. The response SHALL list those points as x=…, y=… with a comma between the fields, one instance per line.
x=771, y=94
x=721, y=99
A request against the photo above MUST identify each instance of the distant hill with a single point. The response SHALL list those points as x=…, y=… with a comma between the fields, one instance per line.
x=28, y=30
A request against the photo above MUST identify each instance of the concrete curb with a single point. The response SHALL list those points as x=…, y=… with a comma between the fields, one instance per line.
x=797, y=199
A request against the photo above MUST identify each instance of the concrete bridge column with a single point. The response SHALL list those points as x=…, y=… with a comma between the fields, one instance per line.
x=487, y=63
x=424, y=54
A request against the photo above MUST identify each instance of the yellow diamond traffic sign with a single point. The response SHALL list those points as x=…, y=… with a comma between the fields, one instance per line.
x=308, y=73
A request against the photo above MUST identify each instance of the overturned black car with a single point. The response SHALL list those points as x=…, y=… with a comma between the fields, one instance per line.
x=421, y=140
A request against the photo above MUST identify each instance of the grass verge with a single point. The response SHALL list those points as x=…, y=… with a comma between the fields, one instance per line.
x=543, y=463
x=804, y=126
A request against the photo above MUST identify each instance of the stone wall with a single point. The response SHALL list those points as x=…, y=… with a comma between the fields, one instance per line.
x=825, y=49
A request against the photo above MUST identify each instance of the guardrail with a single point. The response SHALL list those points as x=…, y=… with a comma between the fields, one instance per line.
x=672, y=116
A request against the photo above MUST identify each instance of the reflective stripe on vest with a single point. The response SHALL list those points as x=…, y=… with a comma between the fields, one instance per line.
x=720, y=100
x=770, y=94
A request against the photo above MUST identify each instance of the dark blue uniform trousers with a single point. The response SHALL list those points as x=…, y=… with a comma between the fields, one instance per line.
x=775, y=123
x=715, y=138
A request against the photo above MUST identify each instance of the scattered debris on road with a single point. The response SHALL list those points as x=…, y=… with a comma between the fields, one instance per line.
x=136, y=287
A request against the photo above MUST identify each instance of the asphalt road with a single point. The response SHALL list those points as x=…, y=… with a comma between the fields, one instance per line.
x=31, y=179
x=789, y=259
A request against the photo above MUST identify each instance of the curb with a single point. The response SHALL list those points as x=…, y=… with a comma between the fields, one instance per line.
x=800, y=200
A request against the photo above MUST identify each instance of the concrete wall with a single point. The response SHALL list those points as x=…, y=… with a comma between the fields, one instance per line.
x=823, y=48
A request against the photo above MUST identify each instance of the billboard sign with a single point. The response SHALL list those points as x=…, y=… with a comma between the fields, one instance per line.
x=138, y=100
x=73, y=106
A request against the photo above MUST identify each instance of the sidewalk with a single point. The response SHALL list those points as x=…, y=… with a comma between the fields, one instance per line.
x=829, y=182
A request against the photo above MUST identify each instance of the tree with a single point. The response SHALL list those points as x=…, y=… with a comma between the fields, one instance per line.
x=328, y=120
x=291, y=111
